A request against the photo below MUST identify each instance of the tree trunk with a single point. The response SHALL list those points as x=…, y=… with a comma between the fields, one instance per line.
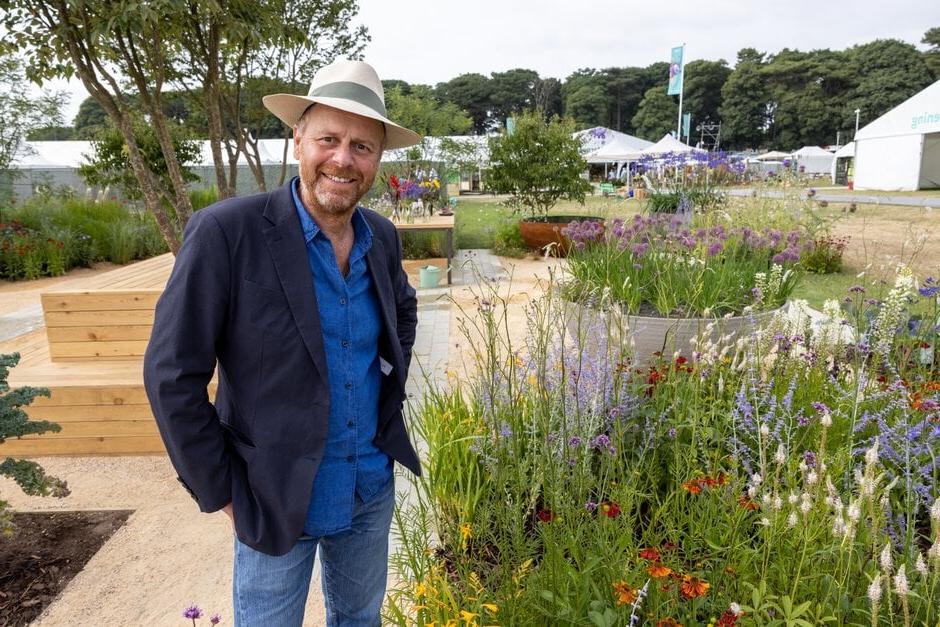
x=181, y=202
x=253, y=157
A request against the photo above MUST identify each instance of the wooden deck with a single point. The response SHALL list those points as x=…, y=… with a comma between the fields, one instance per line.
x=90, y=358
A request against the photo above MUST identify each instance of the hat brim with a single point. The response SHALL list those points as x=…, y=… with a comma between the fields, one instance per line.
x=289, y=107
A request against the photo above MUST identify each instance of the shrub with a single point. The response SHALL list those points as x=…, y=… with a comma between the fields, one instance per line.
x=417, y=245
x=508, y=242
x=824, y=255
x=14, y=423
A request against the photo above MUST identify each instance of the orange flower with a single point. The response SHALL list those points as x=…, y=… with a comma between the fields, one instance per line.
x=625, y=593
x=651, y=554
x=747, y=503
x=669, y=621
x=658, y=570
x=694, y=486
x=708, y=481
x=722, y=478
x=693, y=587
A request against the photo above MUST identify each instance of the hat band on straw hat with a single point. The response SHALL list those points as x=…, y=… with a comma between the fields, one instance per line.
x=350, y=91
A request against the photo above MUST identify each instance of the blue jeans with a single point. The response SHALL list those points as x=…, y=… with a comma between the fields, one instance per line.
x=272, y=590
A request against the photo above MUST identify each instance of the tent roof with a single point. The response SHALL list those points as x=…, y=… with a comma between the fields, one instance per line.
x=622, y=148
x=431, y=148
x=50, y=155
x=812, y=151
x=668, y=144
x=846, y=151
x=918, y=115
x=773, y=155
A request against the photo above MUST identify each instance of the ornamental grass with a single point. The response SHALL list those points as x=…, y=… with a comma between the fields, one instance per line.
x=790, y=478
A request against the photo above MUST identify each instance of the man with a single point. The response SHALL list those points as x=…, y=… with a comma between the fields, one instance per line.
x=301, y=298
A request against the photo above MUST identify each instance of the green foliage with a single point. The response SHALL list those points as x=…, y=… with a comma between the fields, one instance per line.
x=508, y=242
x=421, y=112
x=417, y=245
x=15, y=423
x=110, y=164
x=49, y=235
x=538, y=164
x=511, y=92
x=657, y=113
x=588, y=104
x=21, y=111
x=471, y=93
x=743, y=109
x=932, y=56
x=51, y=133
x=703, y=82
x=203, y=197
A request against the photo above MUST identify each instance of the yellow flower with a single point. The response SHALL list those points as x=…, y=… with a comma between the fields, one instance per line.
x=420, y=589
x=466, y=531
x=489, y=606
x=468, y=617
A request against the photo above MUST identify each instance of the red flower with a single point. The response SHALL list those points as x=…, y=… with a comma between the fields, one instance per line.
x=651, y=554
x=747, y=503
x=610, y=509
x=727, y=619
x=545, y=515
x=693, y=487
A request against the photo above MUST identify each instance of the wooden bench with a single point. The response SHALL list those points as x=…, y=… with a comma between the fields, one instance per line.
x=106, y=317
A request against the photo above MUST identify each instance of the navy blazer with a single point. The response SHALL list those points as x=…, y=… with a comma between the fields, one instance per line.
x=241, y=295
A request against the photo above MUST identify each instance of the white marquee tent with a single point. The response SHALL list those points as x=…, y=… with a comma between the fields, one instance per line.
x=901, y=149
x=846, y=152
x=773, y=155
x=622, y=148
x=813, y=160
x=668, y=144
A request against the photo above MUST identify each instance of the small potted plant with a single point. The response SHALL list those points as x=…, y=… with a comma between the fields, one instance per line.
x=539, y=164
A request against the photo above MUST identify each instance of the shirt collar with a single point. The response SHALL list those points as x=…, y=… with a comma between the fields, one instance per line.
x=361, y=228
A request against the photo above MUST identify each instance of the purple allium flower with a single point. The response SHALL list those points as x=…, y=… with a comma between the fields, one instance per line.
x=505, y=431
x=715, y=249
x=192, y=612
x=672, y=433
x=590, y=506
x=802, y=420
x=857, y=289
x=640, y=249
x=821, y=407
x=216, y=619
x=574, y=441
x=603, y=441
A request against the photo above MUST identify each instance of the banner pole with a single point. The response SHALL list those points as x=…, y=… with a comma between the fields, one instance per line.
x=681, y=89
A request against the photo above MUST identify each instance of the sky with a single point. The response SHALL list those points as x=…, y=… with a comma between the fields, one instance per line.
x=429, y=41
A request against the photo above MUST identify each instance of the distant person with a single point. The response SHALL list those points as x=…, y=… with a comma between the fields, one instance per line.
x=300, y=296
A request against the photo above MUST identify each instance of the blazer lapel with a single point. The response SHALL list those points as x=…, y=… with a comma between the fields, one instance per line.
x=287, y=248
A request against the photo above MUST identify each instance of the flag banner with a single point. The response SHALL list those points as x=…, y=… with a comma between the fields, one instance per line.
x=675, y=72
x=686, y=123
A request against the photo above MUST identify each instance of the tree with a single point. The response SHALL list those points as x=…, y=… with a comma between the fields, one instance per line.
x=625, y=88
x=932, y=56
x=702, y=94
x=538, y=164
x=657, y=114
x=109, y=165
x=587, y=105
x=511, y=92
x=470, y=92
x=113, y=46
x=15, y=423
x=743, y=110
x=90, y=119
x=20, y=112
x=424, y=114
x=887, y=72
x=548, y=100
x=51, y=133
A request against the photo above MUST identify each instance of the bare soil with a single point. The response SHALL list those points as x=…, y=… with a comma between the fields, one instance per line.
x=47, y=550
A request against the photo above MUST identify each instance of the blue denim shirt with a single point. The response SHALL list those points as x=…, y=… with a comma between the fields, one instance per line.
x=351, y=323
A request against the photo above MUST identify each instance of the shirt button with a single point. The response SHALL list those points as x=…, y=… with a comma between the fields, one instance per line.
x=349, y=385
x=345, y=343
x=342, y=301
x=349, y=458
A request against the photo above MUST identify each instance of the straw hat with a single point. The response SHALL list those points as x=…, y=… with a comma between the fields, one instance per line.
x=351, y=86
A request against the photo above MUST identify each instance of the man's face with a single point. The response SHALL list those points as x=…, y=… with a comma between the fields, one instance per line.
x=339, y=155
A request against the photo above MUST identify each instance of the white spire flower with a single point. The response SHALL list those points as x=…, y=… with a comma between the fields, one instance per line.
x=764, y=430
x=874, y=590
x=871, y=455
x=887, y=564
x=920, y=565
x=811, y=478
x=792, y=520
x=900, y=582
x=854, y=512
x=935, y=510
x=777, y=503
x=781, y=456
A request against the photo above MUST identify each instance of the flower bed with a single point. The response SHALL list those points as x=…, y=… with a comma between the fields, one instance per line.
x=790, y=479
